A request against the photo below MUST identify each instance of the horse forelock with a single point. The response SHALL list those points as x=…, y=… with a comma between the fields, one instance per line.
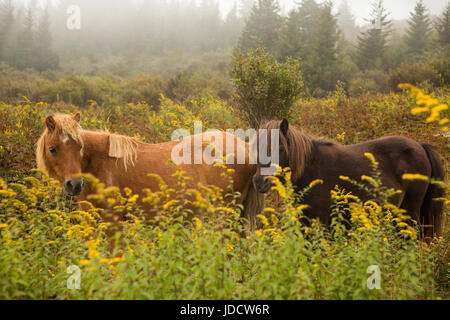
x=297, y=144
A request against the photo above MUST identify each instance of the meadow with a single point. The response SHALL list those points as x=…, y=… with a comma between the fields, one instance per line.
x=43, y=234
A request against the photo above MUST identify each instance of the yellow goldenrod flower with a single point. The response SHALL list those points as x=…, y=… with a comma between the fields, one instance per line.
x=415, y=176
x=85, y=262
x=263, y=219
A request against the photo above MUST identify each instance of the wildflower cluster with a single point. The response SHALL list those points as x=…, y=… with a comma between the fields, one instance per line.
x=435, y=110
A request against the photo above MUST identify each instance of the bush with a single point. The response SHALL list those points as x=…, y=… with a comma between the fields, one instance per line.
x=369, y=81
x=417, y=74
x=265, y=88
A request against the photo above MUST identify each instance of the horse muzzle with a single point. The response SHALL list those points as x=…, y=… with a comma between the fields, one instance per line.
x=74, y=187
x=261, y=184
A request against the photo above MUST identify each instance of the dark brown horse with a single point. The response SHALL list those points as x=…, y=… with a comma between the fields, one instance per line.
x=312, y=158
x=66, y=150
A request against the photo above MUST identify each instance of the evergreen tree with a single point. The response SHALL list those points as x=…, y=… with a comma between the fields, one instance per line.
x=419, y=30
x=308, y=12
x=372, y=42
x=324, y=48
x=245, y=8
x=45, y=58
x=290, y=38
x=443, y=26
x=25, y=41
x=262, y=27
x=346, y=21
x=232, y=26
x=6, y=25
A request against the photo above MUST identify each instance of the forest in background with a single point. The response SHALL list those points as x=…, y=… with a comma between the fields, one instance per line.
x=138, y=50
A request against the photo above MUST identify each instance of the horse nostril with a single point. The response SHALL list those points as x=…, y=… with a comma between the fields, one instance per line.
x=74, y=186
x=68, y=185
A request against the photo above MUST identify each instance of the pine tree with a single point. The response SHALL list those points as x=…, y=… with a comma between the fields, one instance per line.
x=419, y=30
x=443, y=26
x=232, y=26
x=290, y=38
x=262, y=27
x=308, y=12
x=346, y=21
x=323, y=52
x=6, y=25
x=245, y=8
x=25, y=41
x=45, y=58
x=372, y=43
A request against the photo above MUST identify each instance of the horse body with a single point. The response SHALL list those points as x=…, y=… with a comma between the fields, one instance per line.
x=328, y=161
x=396, y=156
x=152, y=158
x=65, y=150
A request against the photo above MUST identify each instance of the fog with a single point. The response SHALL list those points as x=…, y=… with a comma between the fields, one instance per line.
x=399, y=9
x=361, y=9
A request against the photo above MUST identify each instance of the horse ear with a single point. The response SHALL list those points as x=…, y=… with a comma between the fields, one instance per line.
x=50, y=122
x=284, y=126
x=77, y=116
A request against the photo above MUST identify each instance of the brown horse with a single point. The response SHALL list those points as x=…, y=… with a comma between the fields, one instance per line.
x=65, y=150
x=313, y=158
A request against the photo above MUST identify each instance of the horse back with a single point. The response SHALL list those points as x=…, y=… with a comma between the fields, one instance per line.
x=329, y=161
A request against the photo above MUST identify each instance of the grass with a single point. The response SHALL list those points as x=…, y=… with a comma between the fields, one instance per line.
x=212, y=257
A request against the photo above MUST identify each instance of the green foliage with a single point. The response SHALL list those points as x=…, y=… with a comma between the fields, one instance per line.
x=291, y=37
x=44, y=57
x=265, y=88
x=311, y=33
x=261, y=27
x=419, y=31
x=346, y=21
x=200, y=79
x=368, y=81
x=212, y=257
x=322, y=57
x=353, y=120
x=207, y=257
x=372, y=42
x=443, y=26
x=6, y=24
x=435, y=73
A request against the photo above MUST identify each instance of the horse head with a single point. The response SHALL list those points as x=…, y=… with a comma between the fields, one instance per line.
x=285, y=144
x=60, y=151
x=272, y=148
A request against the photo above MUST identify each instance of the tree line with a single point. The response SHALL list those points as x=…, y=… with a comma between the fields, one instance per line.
x=333, y=48
x=330, y=45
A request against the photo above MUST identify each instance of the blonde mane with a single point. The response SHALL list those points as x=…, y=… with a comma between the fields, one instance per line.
x=120, y=147
x=123, y=147
x=298, y=145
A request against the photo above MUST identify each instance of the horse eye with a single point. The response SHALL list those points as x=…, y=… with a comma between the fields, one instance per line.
x=52, y=150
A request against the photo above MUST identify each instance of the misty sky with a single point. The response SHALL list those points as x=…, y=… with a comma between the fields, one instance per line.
x=361, y=9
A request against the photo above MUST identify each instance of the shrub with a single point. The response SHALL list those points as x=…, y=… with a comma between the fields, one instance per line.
x=417, y=74
x=265, y=88
x=369, y=81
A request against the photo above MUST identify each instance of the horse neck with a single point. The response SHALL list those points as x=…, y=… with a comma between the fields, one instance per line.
x=95, y=146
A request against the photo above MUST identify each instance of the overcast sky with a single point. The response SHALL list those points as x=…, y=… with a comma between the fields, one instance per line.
x=361, y=9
